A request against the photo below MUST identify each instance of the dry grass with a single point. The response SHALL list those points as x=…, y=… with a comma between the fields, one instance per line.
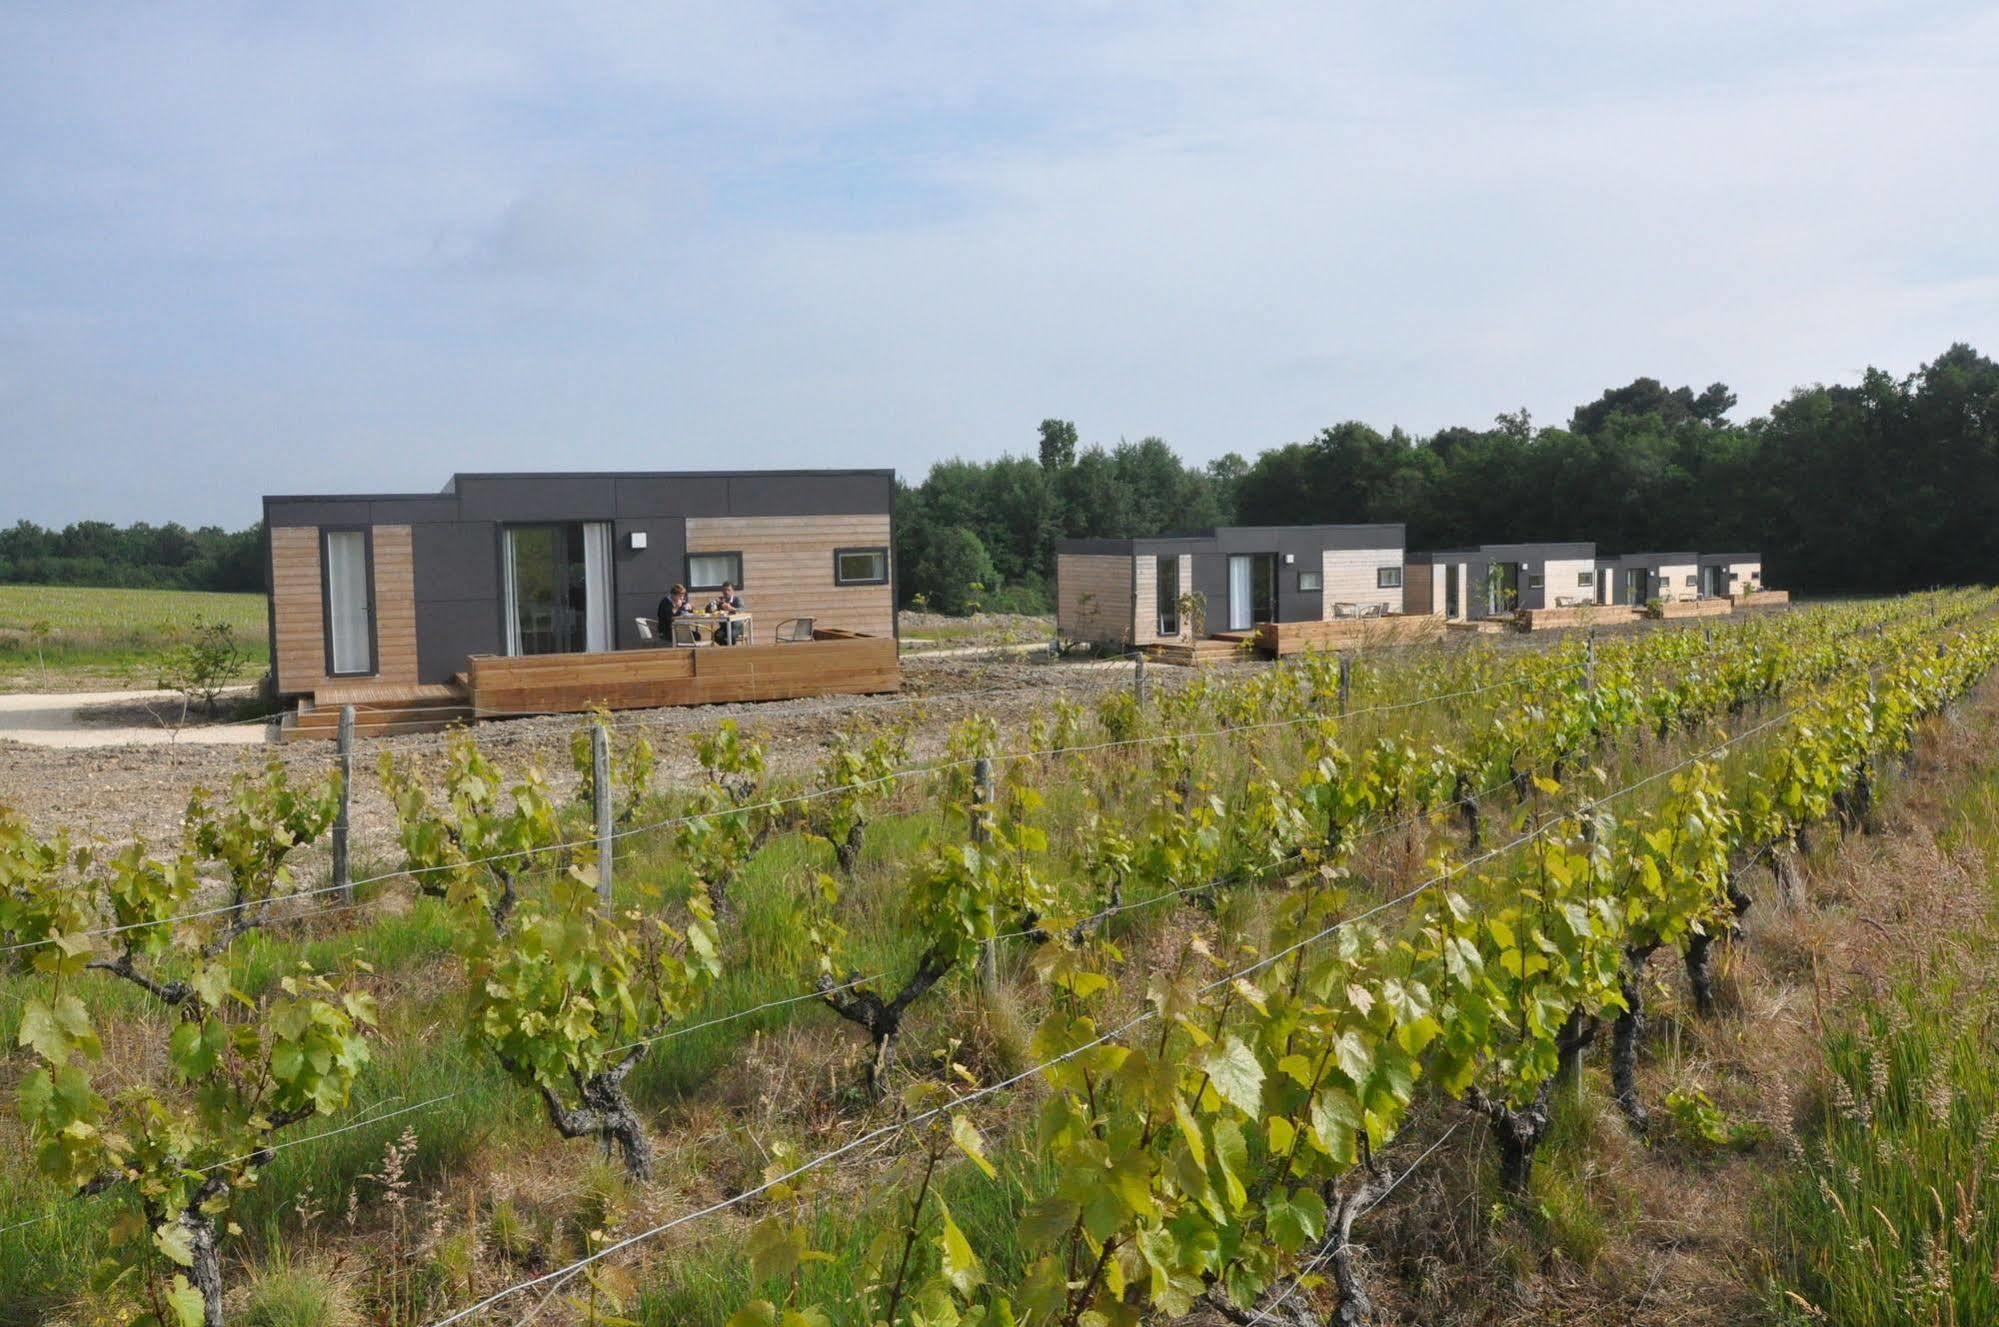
x=1662, y=1233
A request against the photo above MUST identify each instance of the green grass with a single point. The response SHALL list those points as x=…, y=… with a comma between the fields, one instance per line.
x=1887, y=1222
x=67, y=636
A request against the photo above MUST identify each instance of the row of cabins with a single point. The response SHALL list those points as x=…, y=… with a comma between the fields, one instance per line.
x=535, y=593
x=1273, y=582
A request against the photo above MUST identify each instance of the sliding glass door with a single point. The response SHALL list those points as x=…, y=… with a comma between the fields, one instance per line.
x=558, y=588
x=1252, y=590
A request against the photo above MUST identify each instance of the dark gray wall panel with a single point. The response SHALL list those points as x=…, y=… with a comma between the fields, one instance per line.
x=412, y=511
x=671, y=495
x=448, y=631
x=456, y=561
x=644, y=575
x=319, y=511
x=515, y=498
x=816, y=495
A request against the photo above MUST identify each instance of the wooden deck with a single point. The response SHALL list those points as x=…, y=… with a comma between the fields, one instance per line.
x=1579, y=615
x=830, y=664
x=1762, y=599
x=1196, y=653
x=1280, y=639
x=1696, y=608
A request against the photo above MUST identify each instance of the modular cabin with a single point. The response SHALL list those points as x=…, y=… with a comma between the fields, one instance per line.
x=539, y=593
x=1232, y=580
x=1731, y=575
x=1497, y=580
x=1634, y=579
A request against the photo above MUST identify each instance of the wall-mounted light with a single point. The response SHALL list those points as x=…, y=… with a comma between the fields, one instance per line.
x=638, y=539
x=1290, y=558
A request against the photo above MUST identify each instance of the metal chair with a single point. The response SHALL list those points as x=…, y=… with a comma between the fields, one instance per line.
x=793, y=630
x=648, y=630
x=687, y=633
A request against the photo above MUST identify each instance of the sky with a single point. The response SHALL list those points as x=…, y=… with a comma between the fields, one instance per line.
x=251, y=248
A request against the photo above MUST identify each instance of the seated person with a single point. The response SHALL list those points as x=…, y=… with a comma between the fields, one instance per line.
x=674, y=605
x=727, y=604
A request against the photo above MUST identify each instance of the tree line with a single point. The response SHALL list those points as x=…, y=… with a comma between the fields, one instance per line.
x=1889, y=484
x=1885, y=485
x=139, y=556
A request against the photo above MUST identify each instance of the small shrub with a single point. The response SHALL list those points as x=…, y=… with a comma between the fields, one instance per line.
x=204, y=664
x=1700, y=1123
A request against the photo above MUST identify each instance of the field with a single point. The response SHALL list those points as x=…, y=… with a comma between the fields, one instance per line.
x=1260, y=969
x=79, y=638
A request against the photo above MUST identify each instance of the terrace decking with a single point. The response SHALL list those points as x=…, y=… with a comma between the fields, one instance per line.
x=493, y=686
x=1280, y=639
x=829, y=664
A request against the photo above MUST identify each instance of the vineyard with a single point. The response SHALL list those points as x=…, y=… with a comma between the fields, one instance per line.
x=1132, y=1015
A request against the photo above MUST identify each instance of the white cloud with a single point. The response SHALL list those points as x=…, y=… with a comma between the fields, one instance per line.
x=421, y=239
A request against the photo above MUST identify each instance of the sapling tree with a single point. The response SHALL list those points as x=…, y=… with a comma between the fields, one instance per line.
x=239, y=1070
x=572, y=996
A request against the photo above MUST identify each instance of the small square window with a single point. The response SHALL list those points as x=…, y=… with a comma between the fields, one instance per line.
x=708, y=571
x=1309, y=581
x=1586, y=579
x=860, y=566
x=1692, y=581
x=1388, y=578
x=1535, y=580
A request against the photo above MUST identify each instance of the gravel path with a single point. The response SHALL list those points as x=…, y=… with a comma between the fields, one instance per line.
x=140, y=788
x=116, y=718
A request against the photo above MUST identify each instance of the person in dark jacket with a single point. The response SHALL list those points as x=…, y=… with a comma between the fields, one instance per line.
x=728, y=603
x=674, y=605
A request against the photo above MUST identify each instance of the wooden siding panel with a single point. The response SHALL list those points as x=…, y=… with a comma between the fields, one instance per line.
x=788, y=569
x=1094, y=597
x=298, y=612
x=1559, y=582
x=1145, y=600
x=1420, y=591
x=1349, y=577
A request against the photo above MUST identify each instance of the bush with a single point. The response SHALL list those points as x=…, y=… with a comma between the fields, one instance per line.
x=209, y=660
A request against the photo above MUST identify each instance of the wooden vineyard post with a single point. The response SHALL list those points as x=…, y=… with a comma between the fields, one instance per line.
x=982, y=803
x=600, y=798
x=343, y=873
x=1138, y=680
x=1346, y=682
x=1589, y=662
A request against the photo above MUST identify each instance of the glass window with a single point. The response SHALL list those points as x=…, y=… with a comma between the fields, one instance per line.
x=351, y=650
x=1535, y=580
x=1692, y=581
x=1388, y=578
x=1586, y=579
x=707, y=571
x=860, y=566
x=1309, y=581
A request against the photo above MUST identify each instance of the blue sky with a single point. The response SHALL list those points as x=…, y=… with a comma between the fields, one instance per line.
x=256, y=247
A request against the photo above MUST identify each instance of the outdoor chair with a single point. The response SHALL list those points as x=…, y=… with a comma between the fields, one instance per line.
x=793, y=630
x=648, y=630
x=687, y=633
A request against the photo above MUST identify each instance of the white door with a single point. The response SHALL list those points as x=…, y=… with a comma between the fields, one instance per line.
x=347, y=602
x=1241, y=578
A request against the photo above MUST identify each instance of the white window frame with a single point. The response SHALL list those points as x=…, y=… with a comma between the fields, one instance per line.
x=865, y=550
